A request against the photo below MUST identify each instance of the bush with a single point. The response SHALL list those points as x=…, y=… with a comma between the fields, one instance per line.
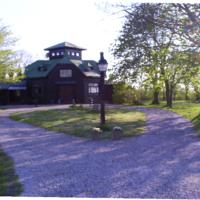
x=105, y=127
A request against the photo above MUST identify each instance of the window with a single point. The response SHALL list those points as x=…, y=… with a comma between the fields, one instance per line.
x=93, y=88
x=73, y=53
x=62, y=53
x=53, y=54
x=58, y=53
x=65, y=73
x=77, y=54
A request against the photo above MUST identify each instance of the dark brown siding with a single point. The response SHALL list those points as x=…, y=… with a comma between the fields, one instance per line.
x=108, y=93
x=76, y=81
x=54, y=89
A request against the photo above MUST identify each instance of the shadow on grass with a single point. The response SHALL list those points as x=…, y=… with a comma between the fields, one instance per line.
x=9, y=184
x=80, y=121
x=196, y=122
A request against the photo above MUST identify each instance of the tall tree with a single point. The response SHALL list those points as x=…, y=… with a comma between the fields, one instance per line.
x=7, y=54
x=158, y=40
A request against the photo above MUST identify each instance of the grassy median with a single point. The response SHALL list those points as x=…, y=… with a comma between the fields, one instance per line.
x=79, y=121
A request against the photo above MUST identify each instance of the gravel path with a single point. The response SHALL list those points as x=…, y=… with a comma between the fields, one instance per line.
x=162, y=163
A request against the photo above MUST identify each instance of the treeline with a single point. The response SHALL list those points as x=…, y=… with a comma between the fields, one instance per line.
x=127, y=94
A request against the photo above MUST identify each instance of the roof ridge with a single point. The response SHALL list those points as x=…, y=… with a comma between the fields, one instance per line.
x=65, y=45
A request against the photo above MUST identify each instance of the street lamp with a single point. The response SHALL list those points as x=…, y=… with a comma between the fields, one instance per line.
x=102, y=64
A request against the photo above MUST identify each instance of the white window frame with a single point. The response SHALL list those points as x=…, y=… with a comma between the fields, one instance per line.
x=93, y=88
x=65, y=73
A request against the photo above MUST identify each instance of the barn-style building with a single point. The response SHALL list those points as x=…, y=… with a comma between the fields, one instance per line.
x=64, y=78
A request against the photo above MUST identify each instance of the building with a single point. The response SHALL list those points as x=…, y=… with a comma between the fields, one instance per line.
x=64, y=78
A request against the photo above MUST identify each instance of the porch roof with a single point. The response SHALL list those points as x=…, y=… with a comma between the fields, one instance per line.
x=13, y=86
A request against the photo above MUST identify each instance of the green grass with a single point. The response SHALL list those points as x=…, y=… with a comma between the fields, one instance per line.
x=80, y=121
x=189, y=110
x=9, y=184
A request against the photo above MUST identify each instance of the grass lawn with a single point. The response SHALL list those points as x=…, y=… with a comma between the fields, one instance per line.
x=79, y=121
x=9, y=185
x=188, y=110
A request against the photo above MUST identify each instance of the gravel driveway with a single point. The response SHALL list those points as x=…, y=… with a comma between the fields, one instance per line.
x=162, y=163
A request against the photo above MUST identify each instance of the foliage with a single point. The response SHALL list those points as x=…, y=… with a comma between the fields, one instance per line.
x=9, y=184
x=123, y=93
x=79, y=122
x=10, y=69
x=159, y=42
x=7, y=60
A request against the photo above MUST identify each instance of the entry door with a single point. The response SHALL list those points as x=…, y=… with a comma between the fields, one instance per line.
x=66, y=93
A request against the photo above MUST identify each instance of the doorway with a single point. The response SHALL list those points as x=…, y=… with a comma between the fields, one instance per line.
x=66, y=94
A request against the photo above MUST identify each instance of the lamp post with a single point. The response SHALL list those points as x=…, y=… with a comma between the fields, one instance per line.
x=102, y=64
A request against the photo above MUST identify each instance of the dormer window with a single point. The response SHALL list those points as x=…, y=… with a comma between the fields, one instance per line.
x=65, y=73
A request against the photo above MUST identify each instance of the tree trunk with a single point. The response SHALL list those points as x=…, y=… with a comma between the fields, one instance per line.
x=186, y=93
x=169, y=93
x=197, y=97
x=164, y=94
x=170, y=97
x=155, y=97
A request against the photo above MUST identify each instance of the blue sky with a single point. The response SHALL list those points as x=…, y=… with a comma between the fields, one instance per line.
x=42, y=23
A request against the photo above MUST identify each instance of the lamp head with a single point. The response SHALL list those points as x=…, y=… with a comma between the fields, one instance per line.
x=102, y=64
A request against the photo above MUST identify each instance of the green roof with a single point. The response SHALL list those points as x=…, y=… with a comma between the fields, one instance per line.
x=42, y=68
x=65, y=45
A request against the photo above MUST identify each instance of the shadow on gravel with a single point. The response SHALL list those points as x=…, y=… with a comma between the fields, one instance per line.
x=163, y=163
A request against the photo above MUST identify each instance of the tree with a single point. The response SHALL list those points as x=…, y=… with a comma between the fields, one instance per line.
x=123, y=93
x=7, y=54
x=158, y=40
